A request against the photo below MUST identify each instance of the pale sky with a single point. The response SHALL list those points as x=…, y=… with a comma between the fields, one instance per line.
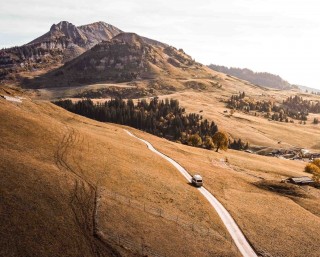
x=276, y=36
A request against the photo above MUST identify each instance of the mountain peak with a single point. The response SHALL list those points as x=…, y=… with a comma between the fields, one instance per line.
x=99, y=23
x=62, y=25
x=67, y=29
x=85, y=36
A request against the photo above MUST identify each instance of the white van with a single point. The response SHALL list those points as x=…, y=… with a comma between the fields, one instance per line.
x=197, y=180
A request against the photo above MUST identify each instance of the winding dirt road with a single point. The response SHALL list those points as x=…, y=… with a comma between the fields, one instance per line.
x=235, y=232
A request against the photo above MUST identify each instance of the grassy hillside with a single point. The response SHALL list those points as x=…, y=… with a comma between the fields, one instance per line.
x=255, y=129
x=208, y=97
x=160, y=78
x=278, y=219
x=55, y=166
x=58, y=170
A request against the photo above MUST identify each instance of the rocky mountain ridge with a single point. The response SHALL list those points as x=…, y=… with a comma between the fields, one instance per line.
x=124, y=58
x=63, y=42
x=85, y=36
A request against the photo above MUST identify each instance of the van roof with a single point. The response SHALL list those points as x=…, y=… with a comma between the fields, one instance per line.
x=197, y=176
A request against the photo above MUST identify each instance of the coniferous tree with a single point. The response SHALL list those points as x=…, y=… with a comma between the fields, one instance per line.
x=163, y=118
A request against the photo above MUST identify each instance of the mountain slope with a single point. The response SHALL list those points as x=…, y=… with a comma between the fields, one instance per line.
x=49, y=157
x=58, y=171
x=126, y=57
x=259, y=78
x=62, y=43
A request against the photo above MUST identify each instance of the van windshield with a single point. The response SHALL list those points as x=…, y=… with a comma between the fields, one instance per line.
x=199, y=180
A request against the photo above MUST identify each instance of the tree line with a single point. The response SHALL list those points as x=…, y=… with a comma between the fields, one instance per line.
x=293, y=107
x=163, y=118
x=298, y=104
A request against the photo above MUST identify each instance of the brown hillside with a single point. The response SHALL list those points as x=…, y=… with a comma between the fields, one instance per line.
x=65, y=150
x=257, y=130
x=56, y=171
x=278, y=219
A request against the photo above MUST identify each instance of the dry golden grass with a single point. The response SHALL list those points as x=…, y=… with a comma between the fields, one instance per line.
x=256, y=130
x=50, y=163
x=276, y=223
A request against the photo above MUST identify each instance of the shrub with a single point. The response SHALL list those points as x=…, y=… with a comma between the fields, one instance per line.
x=311, y=168
x=316, y=162
x=208, y=143
x=195, y=140
x=314, y=168
x=316, y=176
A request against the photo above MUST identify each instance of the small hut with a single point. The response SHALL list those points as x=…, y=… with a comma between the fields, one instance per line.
x=300, y=180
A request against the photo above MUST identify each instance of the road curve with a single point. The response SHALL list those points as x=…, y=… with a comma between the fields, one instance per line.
x=236, y=234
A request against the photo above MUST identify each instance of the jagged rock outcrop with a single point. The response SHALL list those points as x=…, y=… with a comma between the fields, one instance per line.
x=61, y=33
x=85, y=36
x=63, y=42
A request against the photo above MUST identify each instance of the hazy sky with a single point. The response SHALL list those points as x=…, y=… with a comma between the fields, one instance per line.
x=277, y=36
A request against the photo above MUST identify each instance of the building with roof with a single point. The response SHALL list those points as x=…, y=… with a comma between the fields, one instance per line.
x=300, y=180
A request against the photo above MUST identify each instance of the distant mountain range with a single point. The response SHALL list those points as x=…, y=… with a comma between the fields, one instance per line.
x=68, y=55
x=264, y=79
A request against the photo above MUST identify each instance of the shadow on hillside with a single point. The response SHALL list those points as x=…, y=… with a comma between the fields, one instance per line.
x=284, y=189
x=60, y=77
